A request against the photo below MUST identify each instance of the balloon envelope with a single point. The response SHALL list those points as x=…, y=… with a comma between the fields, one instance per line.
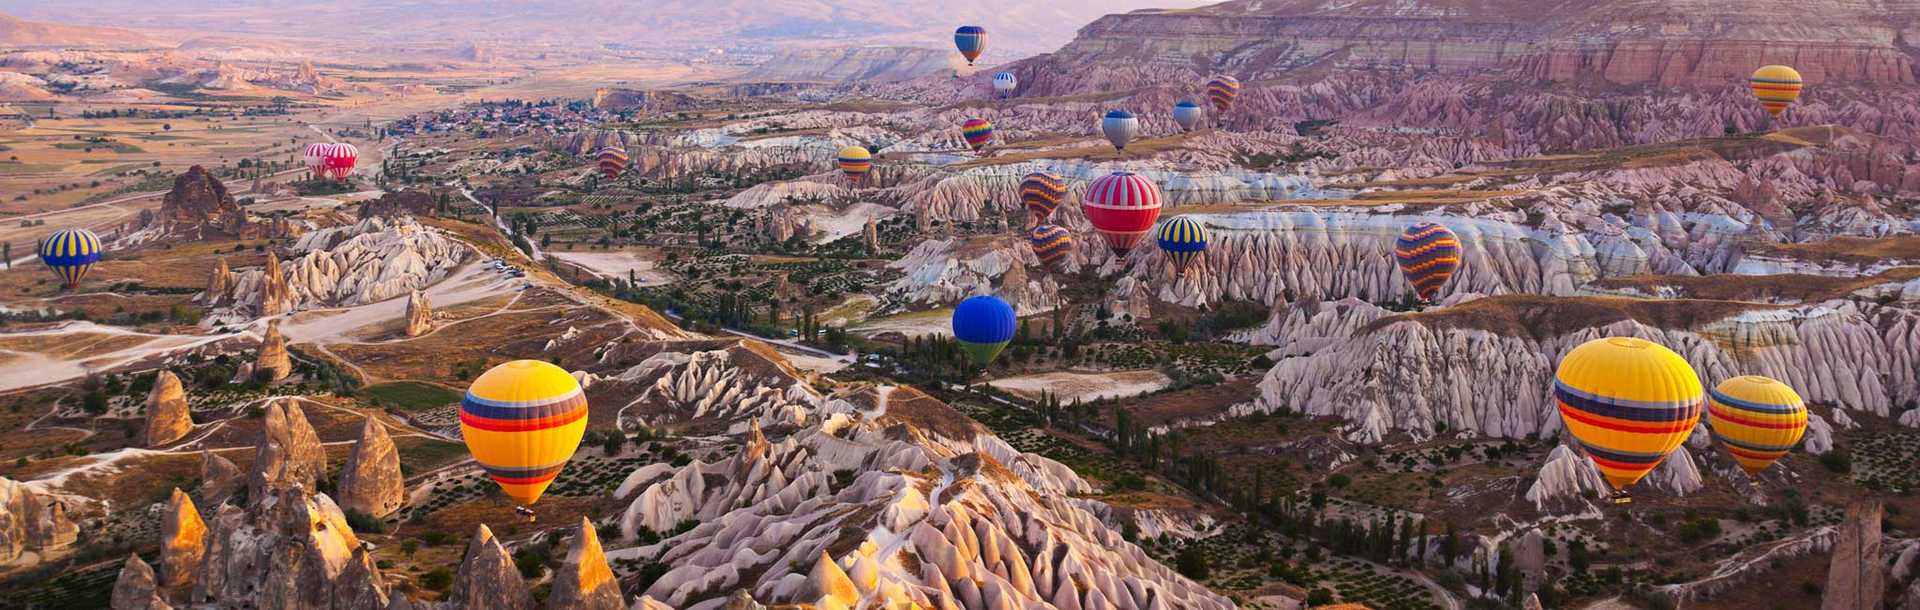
x=1221, y=91
x=971, y=40
x=1184, y=240
x=70, y=253
x=1004, y=83
x=331, y=159
x=1041, y=192
x=1051, y=244
x=1120, y=127
x=984, y=325
x=1776, y=87
x=1122, y=207
x=522, y=421
x=1188, y=115
x=1429, y=255
x=978, y=132
x=1629, y=402
x=854, y=161
x=1757, y=419
x=612, y=160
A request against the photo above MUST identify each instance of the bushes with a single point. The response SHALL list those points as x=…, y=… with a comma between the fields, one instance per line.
x=364, y=523
x=1698, y=530
x=1319, y=597
x=1192, y=564
x=437, y=580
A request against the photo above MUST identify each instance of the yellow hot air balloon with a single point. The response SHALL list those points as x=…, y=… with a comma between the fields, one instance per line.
x=1629, y=402
x=1758, y=420
x=522, y=421
x=1776, y=86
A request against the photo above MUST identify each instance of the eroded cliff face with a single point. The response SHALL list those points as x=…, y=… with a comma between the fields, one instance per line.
x=940, y=513
x=1485, y=367
x=369, y=261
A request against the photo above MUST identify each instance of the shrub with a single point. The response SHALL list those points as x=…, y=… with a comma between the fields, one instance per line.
x=437, y=580
x=364, y=523
x=1192, y=563
x=1320, y=597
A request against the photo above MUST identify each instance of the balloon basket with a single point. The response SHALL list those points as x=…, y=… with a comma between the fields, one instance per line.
x=1620, y=498
x=526, y=513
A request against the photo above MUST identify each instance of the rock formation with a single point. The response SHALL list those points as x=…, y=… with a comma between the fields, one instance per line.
x=487, y=578
x=399, y=203
x=1856, y=575
x=366, y=262
x=865, y=64
x=371, y=482
x=218, y=283
x=583, y=581
x=288, y=455
x=290, y=549
x=183, y=541
x=273, y=298
x=168, y=418
x=871, y=235
x=419, y=314
x=199, y=207
x=273, y=363
x=31, y=521
x=219, y=479
x=136, y=589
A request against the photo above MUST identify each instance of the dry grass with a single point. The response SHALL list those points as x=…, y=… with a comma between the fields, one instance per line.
x=1544, y=317
x=1798, y=287
x=1847, y=250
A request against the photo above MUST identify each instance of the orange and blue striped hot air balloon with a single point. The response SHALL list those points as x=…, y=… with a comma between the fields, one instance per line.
x=1776, y=86
x=522, y=421
x=1629, y=403
x=1221, y=91
x=1183, y=240
x=1758, y=420
x=70, y=253
x=971, y=40
x=1429, y=255
x=1041, y=192
x=978, y=132
x=1052, y=244
x=855, y=161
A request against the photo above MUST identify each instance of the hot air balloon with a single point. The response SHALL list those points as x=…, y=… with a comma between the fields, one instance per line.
x=612, y=161
x=1004, y=83
x=855, y=161
x=1051, y=244
x=1188, y=114
x=1042, y=192
x=1120, y=128
x=978, y=132
x=1183, y=240
x=1122, y=207
x=331, y=159
x=1757, y=419
x=971, y=40
x=70, y=253
x=1629, y=402
x=1776, y=86
x=1429, y=255
x=983, y=325
x=1221, y=91
x=522, y=421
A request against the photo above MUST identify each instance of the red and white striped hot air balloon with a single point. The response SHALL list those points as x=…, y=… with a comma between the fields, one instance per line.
x=331, y=159
x=1122, y=207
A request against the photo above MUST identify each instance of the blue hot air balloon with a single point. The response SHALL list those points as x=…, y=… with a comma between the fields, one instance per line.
x=971, y=40
x=983, y=325
x=70, y=253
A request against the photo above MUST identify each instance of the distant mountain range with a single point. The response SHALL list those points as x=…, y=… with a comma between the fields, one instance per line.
x=1017, y=27
x=23, y=33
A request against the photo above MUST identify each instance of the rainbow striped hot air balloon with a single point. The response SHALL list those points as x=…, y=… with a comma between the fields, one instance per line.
x=1187, y=115
x=70, y=253
x=1758, y=420
x=978, y=132
x=855, y=161
x=984, y=325
x=1221, y=91
x=612, y=160
x=1429, y=255
x=1041, y=192
x=1629, y=402
x=971, y=40
x=1122, y=207
x=1776, y=86
x=522, y=421
x=1183, y=240
x=1052, y=244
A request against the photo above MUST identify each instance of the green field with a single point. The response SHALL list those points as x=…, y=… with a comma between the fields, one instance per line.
x=412, y=396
